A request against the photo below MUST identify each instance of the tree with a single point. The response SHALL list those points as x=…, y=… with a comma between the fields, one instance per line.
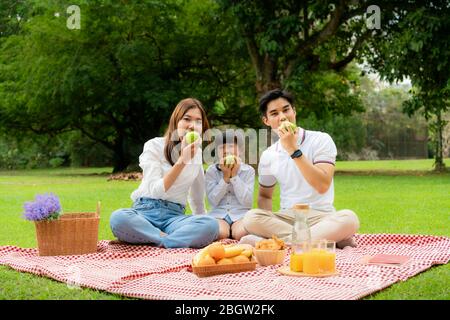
x=290, y=36
x=419, y=49
x=118, y=78
x=12, y=15
x=306, y=46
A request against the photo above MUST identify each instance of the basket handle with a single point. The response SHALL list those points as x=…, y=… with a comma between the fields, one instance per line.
x=98, y=208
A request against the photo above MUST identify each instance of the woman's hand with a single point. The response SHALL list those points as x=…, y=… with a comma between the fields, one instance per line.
x=188, y=151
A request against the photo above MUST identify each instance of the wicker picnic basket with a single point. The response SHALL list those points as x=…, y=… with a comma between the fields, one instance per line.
x=71, y=234
x=206, y=271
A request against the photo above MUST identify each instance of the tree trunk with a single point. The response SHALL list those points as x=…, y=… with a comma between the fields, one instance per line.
x=121, y=158
x=264, y=85
x=439, y=164
x=266, y=69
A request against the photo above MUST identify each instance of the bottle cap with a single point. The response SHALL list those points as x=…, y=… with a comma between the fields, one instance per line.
x=301, y=206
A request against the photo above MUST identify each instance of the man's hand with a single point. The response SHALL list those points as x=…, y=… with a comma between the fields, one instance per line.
x=288, y=139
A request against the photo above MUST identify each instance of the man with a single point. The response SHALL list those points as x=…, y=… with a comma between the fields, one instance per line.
x=302, y=162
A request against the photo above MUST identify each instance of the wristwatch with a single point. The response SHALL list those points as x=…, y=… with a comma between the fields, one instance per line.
x=296, y=154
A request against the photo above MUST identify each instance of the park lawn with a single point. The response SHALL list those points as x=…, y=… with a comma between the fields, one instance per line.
x=388, y=166
x=414, y=204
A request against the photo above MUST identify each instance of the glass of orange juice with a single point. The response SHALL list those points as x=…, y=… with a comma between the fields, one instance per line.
x=296, y=259
x=312, y=258
x=328, y=258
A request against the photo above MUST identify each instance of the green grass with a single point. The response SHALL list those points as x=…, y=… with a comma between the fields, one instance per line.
x=389, y=166
x=414, y=204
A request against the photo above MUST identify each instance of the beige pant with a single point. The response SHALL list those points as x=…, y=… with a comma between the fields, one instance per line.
x=335, y=226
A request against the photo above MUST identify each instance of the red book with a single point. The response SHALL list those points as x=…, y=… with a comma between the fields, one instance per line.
x=388, y=259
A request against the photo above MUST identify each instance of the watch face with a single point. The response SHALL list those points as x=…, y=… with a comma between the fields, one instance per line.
x=298, y=153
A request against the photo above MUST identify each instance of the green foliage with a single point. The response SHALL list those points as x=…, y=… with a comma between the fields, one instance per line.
x=225, y=84
x=85, y=152
x=12, y=15
x=383, y=131
x=390, y=132
x=28, y=151
x=282, y=36
x=348, y=132
x=327, y=93
x=118, y=78
x=418, y=49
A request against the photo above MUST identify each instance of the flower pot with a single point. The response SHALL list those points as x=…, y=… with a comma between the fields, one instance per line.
x=71, y=234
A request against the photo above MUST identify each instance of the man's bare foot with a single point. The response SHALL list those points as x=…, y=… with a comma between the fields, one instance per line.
x=349, y=242
x=250, y=239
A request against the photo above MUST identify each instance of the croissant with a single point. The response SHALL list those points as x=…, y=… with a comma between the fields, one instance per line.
x=270, y=244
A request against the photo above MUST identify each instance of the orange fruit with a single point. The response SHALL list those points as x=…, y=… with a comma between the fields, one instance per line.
x=206, y=261
x=216, y=251
x=240, y=259
x=225, y=261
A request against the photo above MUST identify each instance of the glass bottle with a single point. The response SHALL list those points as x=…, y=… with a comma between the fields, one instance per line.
x=300, y=230
x=301, y=237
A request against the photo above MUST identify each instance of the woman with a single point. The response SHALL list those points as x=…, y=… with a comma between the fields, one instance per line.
x=172, y=174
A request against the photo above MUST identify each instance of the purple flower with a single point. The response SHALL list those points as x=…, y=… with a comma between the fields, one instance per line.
x=45, y=206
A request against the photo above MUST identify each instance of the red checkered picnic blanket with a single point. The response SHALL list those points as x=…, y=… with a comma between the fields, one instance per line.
x=154, y=273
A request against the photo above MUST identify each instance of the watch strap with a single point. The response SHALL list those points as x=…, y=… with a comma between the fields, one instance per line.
x=296, y=154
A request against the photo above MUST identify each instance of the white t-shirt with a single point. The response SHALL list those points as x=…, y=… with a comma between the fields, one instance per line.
x=276, y=165
x=189, y=185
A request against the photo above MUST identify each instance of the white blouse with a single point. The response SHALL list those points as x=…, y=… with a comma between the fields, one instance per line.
x=189, y=185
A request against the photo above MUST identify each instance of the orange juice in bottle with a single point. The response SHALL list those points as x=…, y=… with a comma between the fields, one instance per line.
x=301, y=236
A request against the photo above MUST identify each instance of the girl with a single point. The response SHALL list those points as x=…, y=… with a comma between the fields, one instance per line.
x=172, y=169
x=229, y=187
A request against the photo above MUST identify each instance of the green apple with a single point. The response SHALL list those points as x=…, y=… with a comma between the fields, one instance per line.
x=288, y=125
x=229, y=160
x=192, y=136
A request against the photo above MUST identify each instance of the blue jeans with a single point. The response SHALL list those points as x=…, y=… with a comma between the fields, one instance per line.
x=144, y=222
